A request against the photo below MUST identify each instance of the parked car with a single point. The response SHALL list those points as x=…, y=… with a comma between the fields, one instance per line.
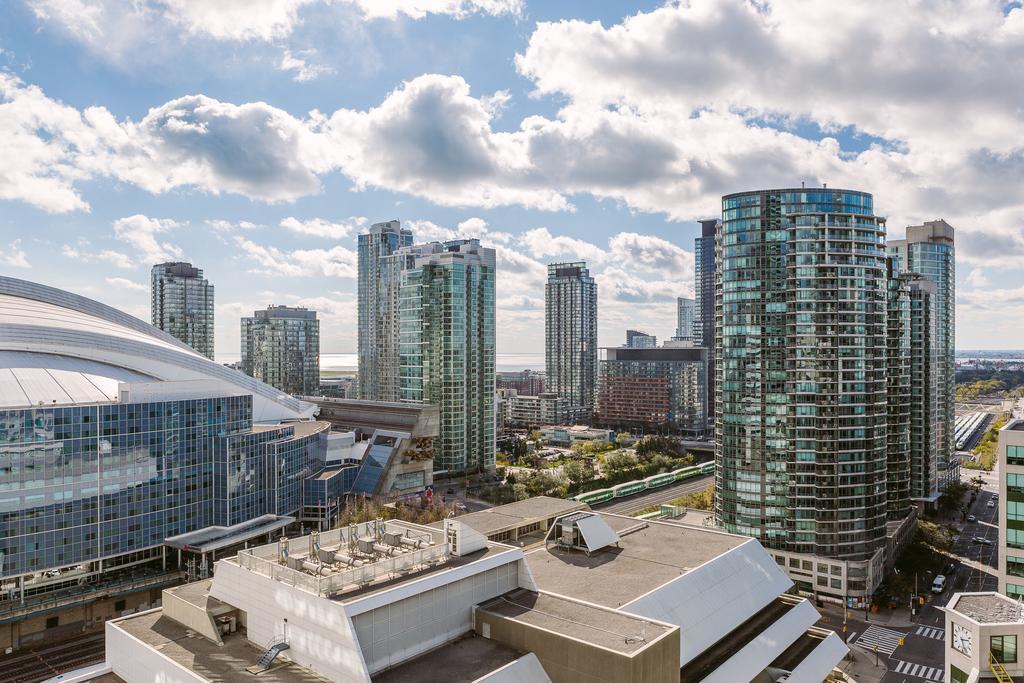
x=991, y=504
x=949, y=569
x=939, y=584
x=972, y=518
x=982, y=540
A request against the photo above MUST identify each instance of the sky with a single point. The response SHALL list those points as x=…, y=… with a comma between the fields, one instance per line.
x=257, y=138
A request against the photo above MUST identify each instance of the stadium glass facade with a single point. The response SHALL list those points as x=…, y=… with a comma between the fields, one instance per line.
x=801, y=371
x=84, y=483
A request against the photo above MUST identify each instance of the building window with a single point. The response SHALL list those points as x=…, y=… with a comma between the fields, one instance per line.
x=1014, y=590
x=836, y=583
x=52, y=622
x=119, y=606
x=956, y=675
x=1004, y=649
x=1015, y=455
x=1014, y=565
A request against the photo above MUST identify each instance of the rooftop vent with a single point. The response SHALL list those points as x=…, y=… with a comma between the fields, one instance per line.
x=584, y=531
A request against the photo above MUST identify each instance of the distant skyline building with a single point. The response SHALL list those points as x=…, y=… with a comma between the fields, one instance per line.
x=447, y=347
x=181, y=304
x=570, y=336
x=926, y=415
x=637, y=339
x=378, y=284
x=525, y=382
x=281, y=347
x=929, y=249
x=685, y=319
x=801, y=441
x=898, y=392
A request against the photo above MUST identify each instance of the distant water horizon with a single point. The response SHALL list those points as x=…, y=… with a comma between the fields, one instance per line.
x=505, y=362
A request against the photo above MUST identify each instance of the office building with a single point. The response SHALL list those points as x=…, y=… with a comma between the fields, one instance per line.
x=281, y=346
x=580, y=596
x=378, y=284
x=1010, y=451
x=982, y=635
x=929, y=250
x=801, y=352
x=653, y=389
x=525, y=382
x=704, y=300
x=685, y=319
x=131, y=439
x=635, y=339
x=181, y=304
x=447, y=347
x=528, y=412
x=570, y=336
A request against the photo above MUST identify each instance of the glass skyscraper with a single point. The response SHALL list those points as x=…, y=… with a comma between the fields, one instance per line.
x=929, y=249
x=181, y=304
x=570, y=336
x=281, y=347
x=447, y=347
x=800, y=334
x=704, y=295
x=378, y=286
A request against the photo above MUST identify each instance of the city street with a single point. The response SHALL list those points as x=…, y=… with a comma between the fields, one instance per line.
x=920, y=658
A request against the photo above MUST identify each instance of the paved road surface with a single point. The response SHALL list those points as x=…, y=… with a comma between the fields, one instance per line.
x=624, y=506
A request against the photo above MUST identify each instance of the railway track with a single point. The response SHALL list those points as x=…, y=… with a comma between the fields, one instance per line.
x=34, y=664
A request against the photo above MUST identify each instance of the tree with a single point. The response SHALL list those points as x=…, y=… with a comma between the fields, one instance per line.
x=545, y=484
x=617, y=464
x=578, y=471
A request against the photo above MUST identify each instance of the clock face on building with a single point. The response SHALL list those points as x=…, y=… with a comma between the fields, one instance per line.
x=962, y=640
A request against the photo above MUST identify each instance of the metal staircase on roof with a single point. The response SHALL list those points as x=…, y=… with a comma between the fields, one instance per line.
x=270, y=654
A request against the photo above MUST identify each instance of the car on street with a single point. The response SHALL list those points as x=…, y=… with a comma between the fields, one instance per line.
x=949, y=569
x=982, y=540
x=939, y=584
x=460, y=506
x=972, y=518
x=991, y=504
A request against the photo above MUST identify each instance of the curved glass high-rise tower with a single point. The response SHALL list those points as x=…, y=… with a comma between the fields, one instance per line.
x=801, y=371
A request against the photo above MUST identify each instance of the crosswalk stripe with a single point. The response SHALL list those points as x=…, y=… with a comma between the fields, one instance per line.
x=931, y=632
x=886, y=640
x=929, y=673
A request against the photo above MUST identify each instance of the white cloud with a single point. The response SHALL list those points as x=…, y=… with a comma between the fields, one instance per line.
x=976, y=279
x=318, y=227
x=303, y=70
x=221, y=225
x=140, y=232
x=542, y=244
x=14, y=256
x=109, y=256
x=335, y=262
x=417, y=9
x=125, y=283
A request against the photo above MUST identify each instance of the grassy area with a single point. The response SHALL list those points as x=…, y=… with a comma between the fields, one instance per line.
x=985, y=451
x=698, y=500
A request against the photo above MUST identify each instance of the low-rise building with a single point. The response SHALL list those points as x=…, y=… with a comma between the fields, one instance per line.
x=568, y=435
x=982, y=635
x=521, y=411
x=603, y=598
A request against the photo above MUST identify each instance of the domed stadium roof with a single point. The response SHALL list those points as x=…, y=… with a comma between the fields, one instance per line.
x=58, y=348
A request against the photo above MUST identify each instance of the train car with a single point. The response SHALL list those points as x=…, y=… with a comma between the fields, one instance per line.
x=686, y=473
x=629, y=488
x=657, y=480
x=598, y=496
x=708, y=468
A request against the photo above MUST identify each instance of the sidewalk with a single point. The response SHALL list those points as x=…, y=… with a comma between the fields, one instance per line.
x=859, y=667
x=893, y=618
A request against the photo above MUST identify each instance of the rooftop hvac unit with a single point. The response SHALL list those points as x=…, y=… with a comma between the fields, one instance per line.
x=393, y=537
x=366, y=544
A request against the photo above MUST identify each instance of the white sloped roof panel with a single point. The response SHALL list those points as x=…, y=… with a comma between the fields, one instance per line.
x=596, y=533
